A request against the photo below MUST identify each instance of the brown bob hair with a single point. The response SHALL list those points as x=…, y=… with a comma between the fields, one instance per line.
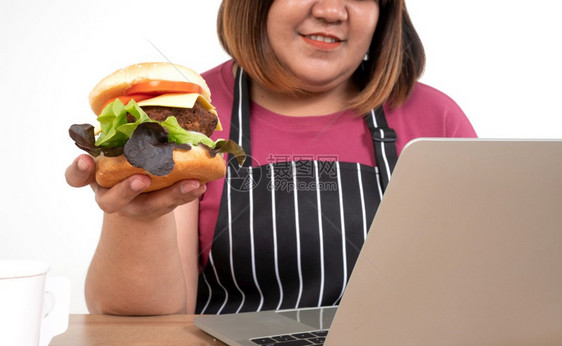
x=396, y=54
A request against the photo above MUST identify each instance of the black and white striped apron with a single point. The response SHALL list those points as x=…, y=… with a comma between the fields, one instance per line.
x=288, y=233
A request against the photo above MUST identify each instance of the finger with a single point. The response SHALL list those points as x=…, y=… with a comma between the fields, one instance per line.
x=186, y=191
x=81, y=172
x=160, y=202
x=122, y=194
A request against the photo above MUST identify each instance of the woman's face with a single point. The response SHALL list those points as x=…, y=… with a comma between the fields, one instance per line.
x=322, y=42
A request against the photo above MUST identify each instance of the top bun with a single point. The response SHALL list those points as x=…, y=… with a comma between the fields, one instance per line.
x=119, y=81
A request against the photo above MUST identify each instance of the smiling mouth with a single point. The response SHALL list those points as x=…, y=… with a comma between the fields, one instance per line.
x=321, y=38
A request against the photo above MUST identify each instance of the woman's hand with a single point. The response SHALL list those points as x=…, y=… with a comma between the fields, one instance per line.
x=126, y=198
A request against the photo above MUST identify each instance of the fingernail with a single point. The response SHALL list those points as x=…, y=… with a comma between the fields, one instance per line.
x=137, y=185
x=189, y=186
x=82, y=165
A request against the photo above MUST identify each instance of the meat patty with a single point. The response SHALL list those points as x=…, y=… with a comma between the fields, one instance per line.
x=192, y=119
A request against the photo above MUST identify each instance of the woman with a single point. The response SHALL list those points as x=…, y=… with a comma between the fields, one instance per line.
x=323, y=96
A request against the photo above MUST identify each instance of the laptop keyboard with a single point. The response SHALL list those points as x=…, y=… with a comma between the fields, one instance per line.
x=298, y=339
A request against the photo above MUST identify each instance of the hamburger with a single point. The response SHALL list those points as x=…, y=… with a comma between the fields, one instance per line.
x=154, y=119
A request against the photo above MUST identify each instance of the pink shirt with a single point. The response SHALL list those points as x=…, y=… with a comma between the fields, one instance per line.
x=342, y=136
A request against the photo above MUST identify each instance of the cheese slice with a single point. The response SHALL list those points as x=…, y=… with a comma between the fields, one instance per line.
x=181, y=101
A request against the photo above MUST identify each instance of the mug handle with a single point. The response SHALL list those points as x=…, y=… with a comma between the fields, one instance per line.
x=55, y=313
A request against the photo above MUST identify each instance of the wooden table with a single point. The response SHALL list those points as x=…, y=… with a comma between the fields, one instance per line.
x=118, y=330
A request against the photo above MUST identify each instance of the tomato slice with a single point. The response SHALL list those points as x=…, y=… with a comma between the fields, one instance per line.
x=126, y=99
x=157, y=87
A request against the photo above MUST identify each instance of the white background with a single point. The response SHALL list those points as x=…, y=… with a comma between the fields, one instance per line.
x=499, y=59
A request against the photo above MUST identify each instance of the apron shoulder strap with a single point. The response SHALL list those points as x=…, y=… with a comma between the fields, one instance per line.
x=384, y=140
x=239, y=124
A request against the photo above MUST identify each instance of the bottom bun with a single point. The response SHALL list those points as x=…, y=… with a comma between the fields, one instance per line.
x=196, y=164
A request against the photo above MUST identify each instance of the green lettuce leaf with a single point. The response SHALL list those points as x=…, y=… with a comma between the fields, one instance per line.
x=112, y=116
x=230, y=146
x=178, y=134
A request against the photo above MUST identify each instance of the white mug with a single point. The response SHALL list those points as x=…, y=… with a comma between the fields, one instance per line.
x=33, y=307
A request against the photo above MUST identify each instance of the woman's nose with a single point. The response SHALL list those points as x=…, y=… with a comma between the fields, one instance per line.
x=330, y=11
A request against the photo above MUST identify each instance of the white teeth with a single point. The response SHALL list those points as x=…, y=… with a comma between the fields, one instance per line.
x=322, y=38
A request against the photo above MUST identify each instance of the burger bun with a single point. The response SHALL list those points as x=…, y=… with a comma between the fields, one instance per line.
x=116, y=84
x=196, y=164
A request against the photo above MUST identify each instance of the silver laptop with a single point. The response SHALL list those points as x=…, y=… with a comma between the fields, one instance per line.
x=465, y=249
